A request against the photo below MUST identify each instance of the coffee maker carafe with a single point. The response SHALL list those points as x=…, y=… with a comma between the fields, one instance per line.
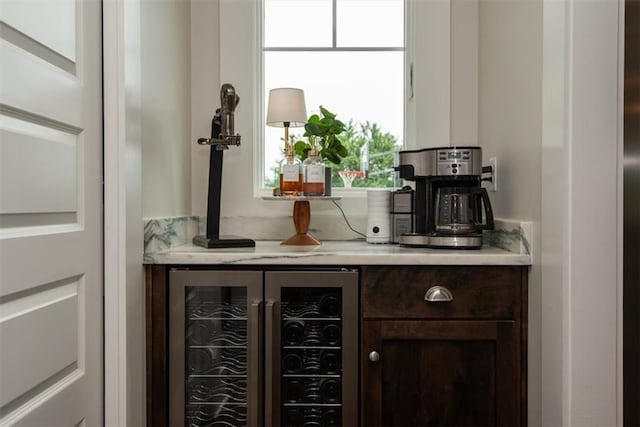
x=451, y=207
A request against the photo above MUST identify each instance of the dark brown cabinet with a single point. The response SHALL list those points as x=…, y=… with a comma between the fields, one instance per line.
x=443, y=346
x=439, y=345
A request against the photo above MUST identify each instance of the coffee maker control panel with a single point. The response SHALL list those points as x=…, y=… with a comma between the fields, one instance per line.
x=451, y=162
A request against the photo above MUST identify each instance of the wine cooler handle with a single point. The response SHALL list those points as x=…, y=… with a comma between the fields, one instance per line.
x=255, y=367
x=272, y=389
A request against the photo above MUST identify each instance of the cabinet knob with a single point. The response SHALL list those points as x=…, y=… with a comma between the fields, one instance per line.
x=374, y=356
x=438, y=294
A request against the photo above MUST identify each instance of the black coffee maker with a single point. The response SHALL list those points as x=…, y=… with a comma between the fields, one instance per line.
x=449, y=199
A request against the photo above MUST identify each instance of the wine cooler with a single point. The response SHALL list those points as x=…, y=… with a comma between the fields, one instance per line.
x=274, y=348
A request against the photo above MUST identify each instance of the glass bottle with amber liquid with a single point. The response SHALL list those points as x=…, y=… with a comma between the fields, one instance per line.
x=290, y=174
x=313, y=184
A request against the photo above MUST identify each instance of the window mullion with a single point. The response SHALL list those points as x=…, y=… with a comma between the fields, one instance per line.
x=332, y=49
x=335, y=24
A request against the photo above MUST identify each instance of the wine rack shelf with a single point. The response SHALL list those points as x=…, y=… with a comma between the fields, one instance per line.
x=311, y=351
x=216, y=356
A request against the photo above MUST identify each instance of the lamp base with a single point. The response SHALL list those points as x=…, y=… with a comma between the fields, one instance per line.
x=223, y=242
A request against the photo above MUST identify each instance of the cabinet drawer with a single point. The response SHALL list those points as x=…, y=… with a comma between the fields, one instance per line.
x=478, y=292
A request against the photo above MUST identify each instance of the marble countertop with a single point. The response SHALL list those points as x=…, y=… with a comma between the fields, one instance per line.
x=335, y=253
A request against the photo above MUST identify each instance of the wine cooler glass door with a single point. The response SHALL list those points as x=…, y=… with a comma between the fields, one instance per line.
x=312, y=337
x=215, y=327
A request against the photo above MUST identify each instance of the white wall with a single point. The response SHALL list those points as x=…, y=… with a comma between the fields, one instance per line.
x=464, y=72
x=510, y=129
x=125, y=383
x=510, y=97
x=590, y=240
x=428, y=44
x=205, y=94
x=554, y=206
x=166, y=107
x=133, y=329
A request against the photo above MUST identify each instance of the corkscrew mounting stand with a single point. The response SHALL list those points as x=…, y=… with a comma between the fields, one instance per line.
x=222, y=136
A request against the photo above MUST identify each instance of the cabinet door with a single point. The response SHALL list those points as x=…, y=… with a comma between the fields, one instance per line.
x=312, y=347
x=214, y=348
x=440, y=373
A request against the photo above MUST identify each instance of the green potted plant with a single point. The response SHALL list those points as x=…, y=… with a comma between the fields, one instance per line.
x=323, y=131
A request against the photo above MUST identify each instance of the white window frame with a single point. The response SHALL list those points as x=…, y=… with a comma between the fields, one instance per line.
x=261, y=190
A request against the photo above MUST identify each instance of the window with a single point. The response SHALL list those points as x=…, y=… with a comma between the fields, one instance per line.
x=348, y=56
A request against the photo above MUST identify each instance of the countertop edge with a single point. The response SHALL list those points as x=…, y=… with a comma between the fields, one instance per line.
x=335, y=253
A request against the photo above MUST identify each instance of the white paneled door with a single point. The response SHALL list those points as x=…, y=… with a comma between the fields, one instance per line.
x=51, y=278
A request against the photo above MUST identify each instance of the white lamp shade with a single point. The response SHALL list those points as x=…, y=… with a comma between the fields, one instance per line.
x=286, y=104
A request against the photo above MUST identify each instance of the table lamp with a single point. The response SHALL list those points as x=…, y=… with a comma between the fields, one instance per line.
x=286, y=109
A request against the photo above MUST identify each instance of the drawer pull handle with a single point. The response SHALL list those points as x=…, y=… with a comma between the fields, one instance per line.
x=374, y=356
x=438, y=294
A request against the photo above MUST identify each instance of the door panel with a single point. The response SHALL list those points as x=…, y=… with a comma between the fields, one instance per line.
x=452, y=382
x=51, y=213
x=216, y=355
x=311, y=342
x=52, y=24
x=215, y=347
x=50, y=246
x=58, y=340
x=56, y=90
x=440, y=373
x=22, y=187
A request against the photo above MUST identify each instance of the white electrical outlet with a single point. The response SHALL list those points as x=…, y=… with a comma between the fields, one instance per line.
x=493, y=184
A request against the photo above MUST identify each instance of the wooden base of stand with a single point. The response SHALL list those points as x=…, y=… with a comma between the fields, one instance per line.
x=301, y=240
x=301, y=220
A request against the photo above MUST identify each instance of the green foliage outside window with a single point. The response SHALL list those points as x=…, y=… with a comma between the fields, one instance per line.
x=382, y=147
x=377, y=160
